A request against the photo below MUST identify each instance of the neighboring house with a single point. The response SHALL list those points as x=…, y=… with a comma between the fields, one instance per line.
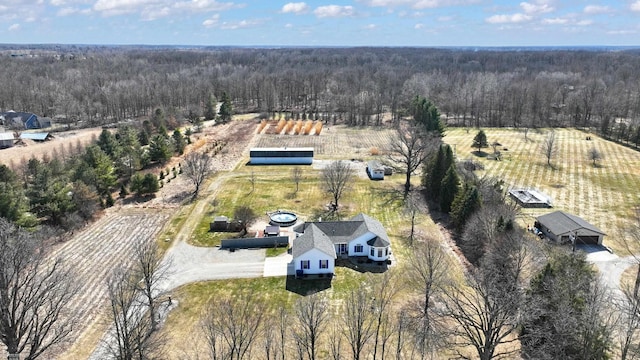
x=361, y=236
x=24, y=120
x=563, y=227
x=279, y=156
x=375, y=170
x=6, y=140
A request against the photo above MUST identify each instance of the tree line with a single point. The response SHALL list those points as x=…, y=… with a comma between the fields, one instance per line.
x=484, y=88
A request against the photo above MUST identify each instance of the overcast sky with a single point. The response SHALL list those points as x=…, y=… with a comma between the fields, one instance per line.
x=322, y=23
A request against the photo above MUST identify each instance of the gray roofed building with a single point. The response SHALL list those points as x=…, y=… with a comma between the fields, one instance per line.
x=345, y=231
x=313, y=238
x=561, y=226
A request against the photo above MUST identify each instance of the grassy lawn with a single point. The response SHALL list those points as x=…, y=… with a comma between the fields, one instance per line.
x=604, y=195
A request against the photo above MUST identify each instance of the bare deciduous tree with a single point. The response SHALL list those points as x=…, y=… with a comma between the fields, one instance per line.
x=245, y=216
x=484, y=318
x=594, y=155
x=311, y=313
x=358, y=319
x=131, y=336
x=150, y=269
x=549, y=147
x=33, y=294
x=384, y=290
x=408, y=151
x=197, y=167
x=629, y=325
x=428, y=270
x=337, y=178
x=252, y=180
x=296, y=177
x=232, y=325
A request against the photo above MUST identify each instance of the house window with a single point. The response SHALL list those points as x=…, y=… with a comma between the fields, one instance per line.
x=386, y=251
x=373, y=252
x=304, y=264
x=379, y=252
x=358, y=248
x=324, y=264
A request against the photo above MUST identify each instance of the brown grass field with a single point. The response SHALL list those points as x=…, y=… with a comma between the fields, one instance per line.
x=604, y=195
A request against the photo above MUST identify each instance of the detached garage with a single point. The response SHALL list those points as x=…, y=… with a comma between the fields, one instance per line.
x=563, y=227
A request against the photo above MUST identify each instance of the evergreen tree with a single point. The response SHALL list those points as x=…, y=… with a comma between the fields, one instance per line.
x=436, y=170
x=179, y=141
x=464, y=205
x=210, y=108
x=480, y=141
x=226, y=109
x=158, y=118
x=144, y=184
x=109, y=144
x=97, y=169
x=160, y=149
x=13, y=203
x=427, y=114
x=449, y=189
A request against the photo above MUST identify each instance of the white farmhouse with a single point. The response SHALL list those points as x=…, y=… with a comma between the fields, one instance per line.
x=361, y=236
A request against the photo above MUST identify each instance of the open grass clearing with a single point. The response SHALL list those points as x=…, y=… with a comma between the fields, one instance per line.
x=604, y=195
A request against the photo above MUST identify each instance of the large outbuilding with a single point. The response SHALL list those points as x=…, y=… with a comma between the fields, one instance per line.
x=563, y=227
x=281, y=156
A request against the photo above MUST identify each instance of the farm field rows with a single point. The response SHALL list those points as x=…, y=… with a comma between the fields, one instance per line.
x=93, y=254
x=340, y=140
x=604, y=195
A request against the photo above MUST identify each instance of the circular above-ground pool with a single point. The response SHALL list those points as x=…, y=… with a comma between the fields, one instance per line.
x=283, y=218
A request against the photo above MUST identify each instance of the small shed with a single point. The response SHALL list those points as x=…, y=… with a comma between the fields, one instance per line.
x=564, y=227
x=375, y=170
x=36, y=136
x=6, y=140
x=272, y=230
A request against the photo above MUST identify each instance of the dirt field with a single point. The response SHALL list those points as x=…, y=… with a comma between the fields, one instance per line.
x=341, y=141
x=63, y=143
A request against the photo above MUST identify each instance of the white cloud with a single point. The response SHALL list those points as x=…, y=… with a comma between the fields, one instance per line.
x=296, y=8
x=635, y=6
x=555, y=21
x=596, y=9
x=621, y=32
x=14, y=27
x=540, y=7
x=212, y=21
x=243, y=24
x=288, y=25
x=420, y=4
x=334, y=11
x=445, y=18
x=508, y=18
x=418, y=26
x=67, y=11
x=370, y=26
x=154, y=9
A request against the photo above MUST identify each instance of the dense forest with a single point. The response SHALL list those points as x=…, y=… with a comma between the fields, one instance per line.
x=527, y=88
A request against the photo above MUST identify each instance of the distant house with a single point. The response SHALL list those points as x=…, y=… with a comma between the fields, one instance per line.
x=6, y=140
x=563, y=227
x=280, y=156
x=24, y=120
x=320, y=243
x=375, y=170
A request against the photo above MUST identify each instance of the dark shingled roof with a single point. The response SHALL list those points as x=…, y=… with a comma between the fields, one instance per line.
x=345, y=231
x=313, y=238
x=560, y=222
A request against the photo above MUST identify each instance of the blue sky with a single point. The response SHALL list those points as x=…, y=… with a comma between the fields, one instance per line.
x=322, y=23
